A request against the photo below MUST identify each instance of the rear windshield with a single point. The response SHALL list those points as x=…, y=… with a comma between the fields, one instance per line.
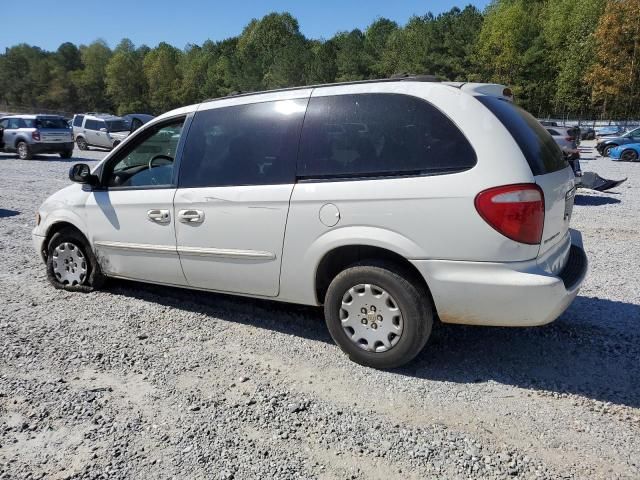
x=537, y=145
x=44, y=122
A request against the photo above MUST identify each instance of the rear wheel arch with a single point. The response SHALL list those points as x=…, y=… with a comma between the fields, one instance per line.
x=340, y=258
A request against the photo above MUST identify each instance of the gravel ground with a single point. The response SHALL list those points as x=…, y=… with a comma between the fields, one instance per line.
x=141, y=381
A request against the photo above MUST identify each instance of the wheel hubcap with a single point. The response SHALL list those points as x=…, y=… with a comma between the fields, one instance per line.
x=628, y=156
x=69, y=264
x=371, y=318
x=22, y=150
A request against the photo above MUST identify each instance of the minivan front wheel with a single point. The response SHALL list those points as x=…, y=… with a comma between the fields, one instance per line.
x=71, y=265
x=377, y=315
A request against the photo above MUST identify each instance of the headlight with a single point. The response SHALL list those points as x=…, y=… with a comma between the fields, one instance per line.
x=37, y=219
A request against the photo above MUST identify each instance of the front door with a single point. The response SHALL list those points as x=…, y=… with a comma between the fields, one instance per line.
x=130, y=217
x=236, y=178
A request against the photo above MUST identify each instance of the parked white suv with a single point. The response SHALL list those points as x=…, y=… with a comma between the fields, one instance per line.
x=388, y=202
x=99, y=130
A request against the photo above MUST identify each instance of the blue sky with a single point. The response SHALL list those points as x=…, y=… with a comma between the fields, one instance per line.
x=47, y=24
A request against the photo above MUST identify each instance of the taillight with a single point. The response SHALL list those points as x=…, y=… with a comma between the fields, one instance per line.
x=516, y=211
x=569, y=139
x=35, y=135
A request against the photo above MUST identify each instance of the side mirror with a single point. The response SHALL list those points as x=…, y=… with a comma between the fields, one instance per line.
x=81, y=173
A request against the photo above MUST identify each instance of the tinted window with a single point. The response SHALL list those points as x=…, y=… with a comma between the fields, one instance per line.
x=553, y=132
x=117, y=126
x=148, y=160
x=51, y=122
x=94, y=124
x=379, y=134
x=539, y=148
x=77, y=121
x=252, y=144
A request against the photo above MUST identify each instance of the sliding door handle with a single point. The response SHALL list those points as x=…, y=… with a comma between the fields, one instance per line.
x=159, y=216
x=191, y=216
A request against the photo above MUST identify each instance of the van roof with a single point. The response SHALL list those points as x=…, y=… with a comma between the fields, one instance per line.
x=473, y=88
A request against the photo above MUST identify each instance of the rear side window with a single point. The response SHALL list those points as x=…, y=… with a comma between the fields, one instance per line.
x=537, y=145
x=553, y=132
x=379, y=134
x=77, y=121
x=91, y=124
x=253, y=144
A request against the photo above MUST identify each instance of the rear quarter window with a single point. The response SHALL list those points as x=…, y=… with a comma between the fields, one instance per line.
x=538, y=146
x=379, y=134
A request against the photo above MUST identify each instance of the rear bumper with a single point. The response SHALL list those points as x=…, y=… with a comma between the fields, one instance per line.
x=56, y=147
x=519, y=294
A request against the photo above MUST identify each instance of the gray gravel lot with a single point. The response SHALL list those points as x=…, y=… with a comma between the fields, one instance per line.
x=141, y=381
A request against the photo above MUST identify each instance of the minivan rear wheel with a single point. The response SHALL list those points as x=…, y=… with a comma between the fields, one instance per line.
x=377, y=316
x=71, y=264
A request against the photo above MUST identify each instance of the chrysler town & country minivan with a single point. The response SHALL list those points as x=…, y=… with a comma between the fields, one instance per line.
x=392, y=203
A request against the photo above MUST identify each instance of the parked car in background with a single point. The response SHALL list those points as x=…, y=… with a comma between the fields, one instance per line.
x=566, y=140
x=587, y=133
x=629, y=152
x=548, y=123
x=605, y=146
x=384, y=201
x=610, y=131
x=136, y=120
x=99, y=130
x=29, y=135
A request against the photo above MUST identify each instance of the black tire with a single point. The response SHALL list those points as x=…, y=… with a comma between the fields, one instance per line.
x=629, y=155
x=412, y=299
x=66, y=154
x=607, y=150
x=94, y=278
x=24, y=151
x=82, y=143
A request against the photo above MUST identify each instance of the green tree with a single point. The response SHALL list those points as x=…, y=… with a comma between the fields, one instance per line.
x=126, y=84
x=271, y=53
x=569, y=34
x=511, y=50
x=376, y=37
x=161, y=71
x=90, y=80
x=350, y=59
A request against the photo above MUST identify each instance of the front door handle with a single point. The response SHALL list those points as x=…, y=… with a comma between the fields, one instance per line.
x=159, y=216
x=191, y=216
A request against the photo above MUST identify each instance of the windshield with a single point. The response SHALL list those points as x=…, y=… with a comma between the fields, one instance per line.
x=53, y=122
x=117, y=126
x=633, y=133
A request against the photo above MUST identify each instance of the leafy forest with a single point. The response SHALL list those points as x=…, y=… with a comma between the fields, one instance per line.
x=578, y=58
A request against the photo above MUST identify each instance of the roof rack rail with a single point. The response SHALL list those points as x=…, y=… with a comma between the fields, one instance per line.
x=394, y=78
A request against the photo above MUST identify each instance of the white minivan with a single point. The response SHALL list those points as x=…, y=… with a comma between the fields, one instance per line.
x=391, y=202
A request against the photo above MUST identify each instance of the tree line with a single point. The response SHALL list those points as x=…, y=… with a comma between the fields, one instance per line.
x=578, y=58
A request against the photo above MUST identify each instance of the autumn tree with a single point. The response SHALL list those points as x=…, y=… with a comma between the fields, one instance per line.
x=615, y=77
